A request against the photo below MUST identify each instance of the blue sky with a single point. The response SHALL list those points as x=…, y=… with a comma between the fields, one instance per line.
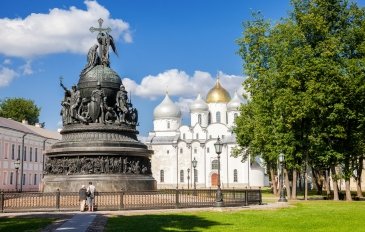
x=178, y=46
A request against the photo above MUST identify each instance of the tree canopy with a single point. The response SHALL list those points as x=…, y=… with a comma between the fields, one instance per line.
x=306, y=82
x=19, y=109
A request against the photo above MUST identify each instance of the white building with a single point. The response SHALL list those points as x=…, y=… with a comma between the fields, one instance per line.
x=34, y=140
x=175, y=146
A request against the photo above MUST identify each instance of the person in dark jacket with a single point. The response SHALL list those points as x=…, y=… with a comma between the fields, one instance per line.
x=82, y=198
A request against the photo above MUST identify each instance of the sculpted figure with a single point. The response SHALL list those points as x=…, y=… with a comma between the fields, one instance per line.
x=65, y=111
x=122, y=100
x=92, y=59
x=105, y=40
x=132, y=115
x=110, y=115
x=83, y=112
x=97, y=104
x=75, y=99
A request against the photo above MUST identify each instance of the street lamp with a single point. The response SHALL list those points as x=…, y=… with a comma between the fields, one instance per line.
x=194, y=162
x=188, y=177
x=17, y=166
x=282, y=194
x=219, y=197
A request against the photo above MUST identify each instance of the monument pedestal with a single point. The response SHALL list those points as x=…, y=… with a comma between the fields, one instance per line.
x=103, y=183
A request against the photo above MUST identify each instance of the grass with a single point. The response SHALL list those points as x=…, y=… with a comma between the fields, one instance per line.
x=24, y=224
x=304, y=216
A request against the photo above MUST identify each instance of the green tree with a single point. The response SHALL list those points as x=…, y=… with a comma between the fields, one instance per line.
x=306, y=82
x=19, y=109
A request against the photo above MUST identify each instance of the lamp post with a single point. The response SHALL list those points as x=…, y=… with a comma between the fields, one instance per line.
x=188, y=177
x=218, y=197
x=194, y=162
x=16, y=165
x=282, y=194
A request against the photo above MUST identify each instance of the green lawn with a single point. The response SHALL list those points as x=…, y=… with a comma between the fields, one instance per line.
x=24, y=224
x=310, y=216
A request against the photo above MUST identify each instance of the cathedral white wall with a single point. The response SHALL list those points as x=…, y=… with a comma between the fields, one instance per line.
x=215, y=130
x=257, y=177
x=194, y=118
x=198, y=133
x=218, y=107
x=231, y=118
x=185, y=133
x=166, y=124
x=164, y=158
x=180, y=157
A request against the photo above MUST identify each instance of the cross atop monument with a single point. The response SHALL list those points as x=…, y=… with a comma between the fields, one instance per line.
x=100, y=29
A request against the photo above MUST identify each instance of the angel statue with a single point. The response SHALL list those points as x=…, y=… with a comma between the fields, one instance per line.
x=105, y=40
x=93, y=59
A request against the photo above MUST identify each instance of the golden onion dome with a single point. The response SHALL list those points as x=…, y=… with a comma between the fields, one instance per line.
x=218, y=94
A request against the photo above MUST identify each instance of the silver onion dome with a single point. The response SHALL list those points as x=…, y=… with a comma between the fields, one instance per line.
x=167, y=109
x=198, y=105
x=234, y=103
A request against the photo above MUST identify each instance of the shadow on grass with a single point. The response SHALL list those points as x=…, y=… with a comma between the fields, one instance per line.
x=32, y=222
x=160, y=223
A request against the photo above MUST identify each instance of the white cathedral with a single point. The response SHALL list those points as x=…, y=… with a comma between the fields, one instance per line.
x=177, y=147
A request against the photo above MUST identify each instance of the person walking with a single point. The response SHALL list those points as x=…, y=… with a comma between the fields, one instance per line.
x=90, y=196
x=82, y=198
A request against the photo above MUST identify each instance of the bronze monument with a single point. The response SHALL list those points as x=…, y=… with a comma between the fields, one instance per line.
x=99, y=137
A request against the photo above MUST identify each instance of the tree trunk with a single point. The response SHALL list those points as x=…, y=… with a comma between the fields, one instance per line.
x=300, y=182
x=358, y=177
x=318, y=179
x=328, y=186
x=306, y=177
x=287, y=183
x=348, y=192
x=273, y=181
x=334, y=183
x=294, y=185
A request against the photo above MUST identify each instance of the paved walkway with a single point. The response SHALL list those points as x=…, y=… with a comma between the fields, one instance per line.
x=79, y=223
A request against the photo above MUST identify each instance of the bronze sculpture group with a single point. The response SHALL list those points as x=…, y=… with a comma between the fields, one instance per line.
x=99, y=135
x=94, y=108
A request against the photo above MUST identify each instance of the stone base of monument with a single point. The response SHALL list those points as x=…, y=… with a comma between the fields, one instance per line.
x=103, y=183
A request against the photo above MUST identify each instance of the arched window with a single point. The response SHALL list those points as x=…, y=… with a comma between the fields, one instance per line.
x=181, y=150
x=168, y=124
x=209, y=118
x=197, y=135
x=182, y=176
x=218, y=116
x=162, y=176
x=215, y=165
x=13, y=151
x=184, y=136
x=235, y=115
x=199, y=119
x=235, y=177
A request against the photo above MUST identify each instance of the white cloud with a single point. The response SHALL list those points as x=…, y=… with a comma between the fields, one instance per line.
x=179, y=83
x=183, y=104
x=7, y=62
x=6, y=76
x=27, y=68
x=58, y=31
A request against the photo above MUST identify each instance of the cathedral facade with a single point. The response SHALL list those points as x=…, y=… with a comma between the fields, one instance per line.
x=184, y=155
